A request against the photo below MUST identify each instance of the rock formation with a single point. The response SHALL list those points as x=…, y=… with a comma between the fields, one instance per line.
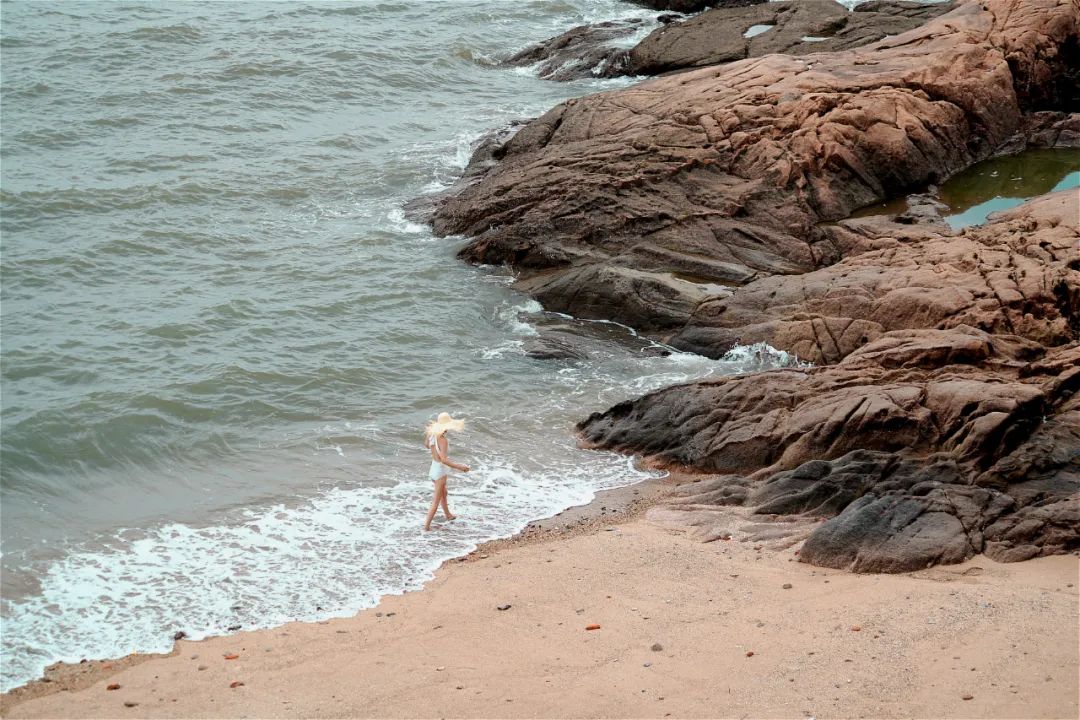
x=583, y=51
x=707, y=209
x=1016, y=275
x=720, y=176
x=721, y=35
x=924, y=446
x=693, y=6
x=730, y=31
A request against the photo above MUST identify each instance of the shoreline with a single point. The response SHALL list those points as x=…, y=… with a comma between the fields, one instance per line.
x=742, y=628
x=609, y=507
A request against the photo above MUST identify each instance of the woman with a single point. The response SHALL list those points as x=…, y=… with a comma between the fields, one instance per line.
x=435, y=442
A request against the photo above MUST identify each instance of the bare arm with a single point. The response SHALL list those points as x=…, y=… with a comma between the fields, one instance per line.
x=441, y=446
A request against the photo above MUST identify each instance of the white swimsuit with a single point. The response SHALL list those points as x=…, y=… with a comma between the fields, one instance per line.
x=437, y=468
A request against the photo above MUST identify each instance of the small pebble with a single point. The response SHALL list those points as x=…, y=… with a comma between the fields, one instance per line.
x=749, y=653
x=130, y=704
x=648, y=664
x=440, y=668
x=787, y=586
x=503, y=607
x=966, y=697
x=855, y=628
x=113, y=686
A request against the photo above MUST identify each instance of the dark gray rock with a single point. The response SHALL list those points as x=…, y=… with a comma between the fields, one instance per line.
x=693, y=6
x=583, y=51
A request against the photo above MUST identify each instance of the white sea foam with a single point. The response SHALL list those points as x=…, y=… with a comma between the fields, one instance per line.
x=329, y=557
x=511, y=317
x=761, y=356
x=396, y=218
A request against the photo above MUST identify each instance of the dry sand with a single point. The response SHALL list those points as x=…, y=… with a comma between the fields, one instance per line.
x=678, y=620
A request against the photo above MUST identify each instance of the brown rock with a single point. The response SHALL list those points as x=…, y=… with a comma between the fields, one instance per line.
x=930, y=463
x=691, y=184
x=719, y=35
x=1006, y=276
x=113, y=686
x=939, y=422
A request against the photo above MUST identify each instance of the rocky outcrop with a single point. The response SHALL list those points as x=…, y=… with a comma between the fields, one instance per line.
x=558, y=338
x=928, y=447
x=707, y=208
x=732, y=30
x=1015, y=275
x=721, y=176
x=796, y=27
x=693, y=6
x=932, y=441
x=583, y=51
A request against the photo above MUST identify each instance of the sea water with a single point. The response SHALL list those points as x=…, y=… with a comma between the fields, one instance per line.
x=222, y=337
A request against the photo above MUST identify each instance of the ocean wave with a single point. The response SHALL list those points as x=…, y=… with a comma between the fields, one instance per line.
x=182, y=34
x=324, y=558
x=231, y=334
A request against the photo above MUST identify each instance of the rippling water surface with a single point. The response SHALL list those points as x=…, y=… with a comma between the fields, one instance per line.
x=221, y=337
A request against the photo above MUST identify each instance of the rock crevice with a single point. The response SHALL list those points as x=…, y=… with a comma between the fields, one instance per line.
x=707, y=209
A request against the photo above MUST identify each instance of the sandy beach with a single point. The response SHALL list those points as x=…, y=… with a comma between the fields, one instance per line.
x=686, y=629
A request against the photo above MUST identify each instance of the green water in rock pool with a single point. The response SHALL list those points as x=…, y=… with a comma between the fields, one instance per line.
x=997, y=184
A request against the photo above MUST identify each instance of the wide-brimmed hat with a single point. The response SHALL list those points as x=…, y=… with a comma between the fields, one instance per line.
x=443, y=423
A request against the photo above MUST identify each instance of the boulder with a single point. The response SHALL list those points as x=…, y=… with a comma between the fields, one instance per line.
x=708, y=209
x=725, y=174
x=693, y=6
x=583, y=51
x=933, y=459
x=1015, y=275
x=793, y=27
x=780, y=419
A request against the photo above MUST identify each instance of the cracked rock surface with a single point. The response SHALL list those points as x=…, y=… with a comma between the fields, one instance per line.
x=719, y=35
x=708, y=208
x=714, y=178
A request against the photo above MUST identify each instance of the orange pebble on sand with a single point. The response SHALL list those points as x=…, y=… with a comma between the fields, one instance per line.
x=113, y=686
x=855, y=628
x=592, y=627
x=231, y=656
x=235, y=684
x=749, y=653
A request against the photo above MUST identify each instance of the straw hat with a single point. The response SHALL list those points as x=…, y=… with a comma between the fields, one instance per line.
x=443, y=423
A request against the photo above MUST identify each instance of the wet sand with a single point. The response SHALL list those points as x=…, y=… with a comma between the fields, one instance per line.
x=687, y=629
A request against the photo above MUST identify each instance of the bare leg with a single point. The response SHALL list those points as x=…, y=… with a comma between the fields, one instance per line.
x=440, y=488
x=445, y=506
